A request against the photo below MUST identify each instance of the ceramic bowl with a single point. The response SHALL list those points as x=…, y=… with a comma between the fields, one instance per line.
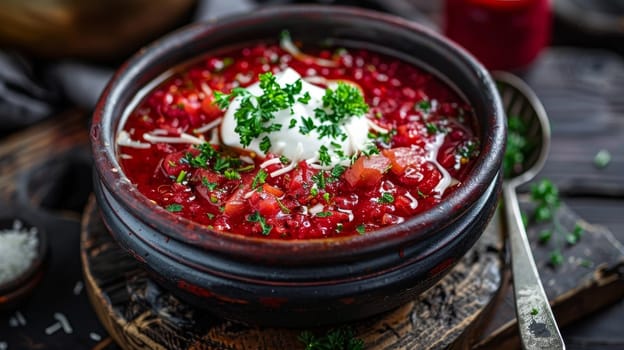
x=310, y=282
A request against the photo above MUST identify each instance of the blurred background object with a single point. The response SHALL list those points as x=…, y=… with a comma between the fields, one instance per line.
x=502, y=34
x=95, y=30
x=590, y=23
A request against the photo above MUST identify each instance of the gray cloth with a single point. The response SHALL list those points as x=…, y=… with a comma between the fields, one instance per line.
x=23, y=99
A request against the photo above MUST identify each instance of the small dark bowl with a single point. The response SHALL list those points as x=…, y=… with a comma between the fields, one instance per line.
x=311, y=282
x=13, y=292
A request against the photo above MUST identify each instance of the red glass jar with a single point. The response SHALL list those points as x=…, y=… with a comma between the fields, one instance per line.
x=502, y=34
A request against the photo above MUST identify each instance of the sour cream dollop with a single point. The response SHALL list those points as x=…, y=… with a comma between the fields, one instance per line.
x=291, y=142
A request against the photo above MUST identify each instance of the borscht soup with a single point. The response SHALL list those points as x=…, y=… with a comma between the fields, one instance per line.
x=285, y=141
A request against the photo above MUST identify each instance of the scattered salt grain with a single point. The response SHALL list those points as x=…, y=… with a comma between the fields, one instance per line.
x=94, y=336
x=64, y=322
x=53, y=328
x=78, y=287
x=18, y=249
x=20, y=318
x=4, y=345
x=17, y=320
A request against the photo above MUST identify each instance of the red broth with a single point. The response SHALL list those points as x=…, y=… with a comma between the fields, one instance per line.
x=425, y=155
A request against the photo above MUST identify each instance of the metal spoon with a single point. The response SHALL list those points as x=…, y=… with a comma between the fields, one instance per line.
x=538, y=328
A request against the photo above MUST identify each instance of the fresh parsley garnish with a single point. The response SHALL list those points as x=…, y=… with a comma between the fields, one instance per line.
x=361, y=229
x=259, y=179
x=255, y=113
x=256, y=217
x=210, y=185
x=386, y=198
x=545, y=195
x=231, y=174
x=319, y=179
x=336, y=339
x=336, y=172
x=208, y=155
x=181, y=176
x=324, y=214
x=307, y=125
x=324, y=157
x=174, y=207
x=424, y=105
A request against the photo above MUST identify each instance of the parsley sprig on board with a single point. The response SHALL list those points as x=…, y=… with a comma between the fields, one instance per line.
x=546, y=197
x=336, y=339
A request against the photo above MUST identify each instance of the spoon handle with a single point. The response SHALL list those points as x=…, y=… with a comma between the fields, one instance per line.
x=538, y=328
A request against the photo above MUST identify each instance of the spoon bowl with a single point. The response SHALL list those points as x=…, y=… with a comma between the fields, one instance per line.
x=536, y=322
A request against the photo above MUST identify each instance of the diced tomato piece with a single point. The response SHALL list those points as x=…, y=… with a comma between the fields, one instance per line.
x=432, y=177
x=209, y=108
x=172, y=166
x=268, y=207
x=404, y=205
x=403, y=157
x=367, y=171
x=237, y=205
x=235, y=208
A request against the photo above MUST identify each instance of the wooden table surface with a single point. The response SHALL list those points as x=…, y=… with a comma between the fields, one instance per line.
x=583, y=93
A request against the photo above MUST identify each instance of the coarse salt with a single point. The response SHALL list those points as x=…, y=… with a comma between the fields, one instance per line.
x=18, y=249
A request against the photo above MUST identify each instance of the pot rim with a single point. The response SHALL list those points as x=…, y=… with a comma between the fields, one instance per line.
x=103, y=130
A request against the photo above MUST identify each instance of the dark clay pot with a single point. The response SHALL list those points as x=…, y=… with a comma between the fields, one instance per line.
x=313, y=282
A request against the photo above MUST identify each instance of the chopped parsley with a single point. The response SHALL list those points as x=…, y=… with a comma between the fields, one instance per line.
x=319, y=179
x=210, y=185
x=307, y=125
x=432, y=128
x=181, y=176
x=259, y=179
x=469, y=149
x=336, y=172
x=256, y=217
x=534, y=311
x=231, y=174
x=336, y=339
x=265, y=144
x=386, y=198
x=207, y=154
x=254, y=116
x=424, y=105
x=602, y=159
x=324, y=214
x=305, y=98
x=545, y=196
x=174, y=207
x=326, y=197
x=324, y=157
x=370, y=150
x=361, y=229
